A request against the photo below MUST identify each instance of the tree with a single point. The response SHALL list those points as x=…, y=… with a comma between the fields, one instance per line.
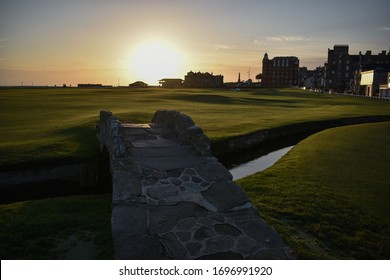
x=259, y=76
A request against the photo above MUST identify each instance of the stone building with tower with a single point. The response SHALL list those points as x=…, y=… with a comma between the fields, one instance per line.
x=280, y=71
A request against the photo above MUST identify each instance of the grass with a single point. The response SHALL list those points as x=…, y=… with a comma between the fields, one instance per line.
x=57, y=228
x=57, y=126
x=329, y=196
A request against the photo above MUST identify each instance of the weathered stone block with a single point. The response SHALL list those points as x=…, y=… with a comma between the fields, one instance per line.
x=193, y=248
x=225, y=196
x=125, y=183
x=128, y=220
x=174, y=248
x=247, y=245
x=186, y=224
x=162, y=191
x=226, y=229
x=200, y=141
x=219, y=244
x=203, y=233
x=214, y=171
x=184, y=236
x=164, y=218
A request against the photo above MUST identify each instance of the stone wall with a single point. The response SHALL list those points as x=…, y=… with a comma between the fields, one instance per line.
x=173, y=200
x=185, y=128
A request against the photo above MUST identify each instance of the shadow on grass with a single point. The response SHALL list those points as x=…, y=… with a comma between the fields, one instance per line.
x=226, y=100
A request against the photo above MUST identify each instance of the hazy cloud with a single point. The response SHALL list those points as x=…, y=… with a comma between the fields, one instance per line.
x=384, y=28
x=282, y=38
x=224, y=47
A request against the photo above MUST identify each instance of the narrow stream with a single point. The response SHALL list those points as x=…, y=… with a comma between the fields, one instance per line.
x=259, y=164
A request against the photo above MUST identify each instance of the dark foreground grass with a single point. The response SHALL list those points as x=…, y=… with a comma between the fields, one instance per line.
x=57, y=126
x=57, y=228
x=329, y=196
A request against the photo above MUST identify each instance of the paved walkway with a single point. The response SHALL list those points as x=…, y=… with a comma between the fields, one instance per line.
x=173, y=200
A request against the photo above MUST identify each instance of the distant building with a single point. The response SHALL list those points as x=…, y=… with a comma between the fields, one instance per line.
x=338, y=69
x=384, y=89
x=343, y=71
x=171, y=83
x=372, y=80
x=280, y=71
x=203, y=80
x=93, y=86
x=138, y=84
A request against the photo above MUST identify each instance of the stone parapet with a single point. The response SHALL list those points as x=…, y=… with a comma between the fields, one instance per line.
x=173, y=200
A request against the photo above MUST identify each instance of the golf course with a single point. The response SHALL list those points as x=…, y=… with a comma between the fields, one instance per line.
x=328, y=197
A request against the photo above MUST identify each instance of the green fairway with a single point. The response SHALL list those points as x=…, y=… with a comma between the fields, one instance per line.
x=51, y=125
x=329, y=196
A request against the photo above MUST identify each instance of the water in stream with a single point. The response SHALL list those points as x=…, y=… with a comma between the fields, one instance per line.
x=259, y=164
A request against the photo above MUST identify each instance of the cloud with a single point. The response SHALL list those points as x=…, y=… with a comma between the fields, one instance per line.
x=384, y=28
x=224, y=47
x=282, y=38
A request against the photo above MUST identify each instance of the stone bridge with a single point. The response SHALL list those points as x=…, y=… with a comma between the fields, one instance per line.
x=173, y=200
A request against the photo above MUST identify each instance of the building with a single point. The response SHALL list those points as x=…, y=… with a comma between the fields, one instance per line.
x=342, y=70
x=138, y=84
x=203, y=80
x=372, y=80
x=338, y=69
x=93, y=86
x=171, y=83
x=280, y=71
x=384, y=89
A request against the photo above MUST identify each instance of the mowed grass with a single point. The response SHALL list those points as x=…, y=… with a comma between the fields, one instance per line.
x=57, y=126
x=329, y=196
x=57, y=228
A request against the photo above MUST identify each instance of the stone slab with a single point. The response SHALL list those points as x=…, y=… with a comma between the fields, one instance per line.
x=170, y=163
x=158, y=152
x=135, y=126
x=128, y=220
x=156, y=143
x=225, y=196
x=164, y=218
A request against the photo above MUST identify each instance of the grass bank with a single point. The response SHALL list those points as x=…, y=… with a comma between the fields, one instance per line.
x=57, y=126
x=329, y=196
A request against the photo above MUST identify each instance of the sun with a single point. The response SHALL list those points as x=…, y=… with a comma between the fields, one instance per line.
x=154, y=60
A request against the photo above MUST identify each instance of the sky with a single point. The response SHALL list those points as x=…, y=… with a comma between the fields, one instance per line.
x=117, y=42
